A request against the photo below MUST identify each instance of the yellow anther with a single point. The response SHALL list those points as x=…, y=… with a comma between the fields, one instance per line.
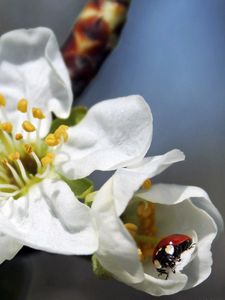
x=14, y=156
x=140, y=254
x=4, y=162
x=47, y=159
x=51, y=140
x=2, y=100
x=37, y=113
x=144, y=233
x=7, y=126
x=61, y=131
x=50, y=155
x=144, y=210
x=22, y=105
x=147, y=184
x=18, y=136
x=132, y=228
x=28, y=126
x=28, y=148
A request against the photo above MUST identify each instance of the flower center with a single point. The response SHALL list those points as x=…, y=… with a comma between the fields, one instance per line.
x=25, y=158
x=141, y=225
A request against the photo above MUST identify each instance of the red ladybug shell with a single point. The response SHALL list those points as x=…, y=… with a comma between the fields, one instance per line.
x=175, y=239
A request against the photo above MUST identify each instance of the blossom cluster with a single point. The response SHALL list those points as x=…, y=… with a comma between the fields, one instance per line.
x=48, y=203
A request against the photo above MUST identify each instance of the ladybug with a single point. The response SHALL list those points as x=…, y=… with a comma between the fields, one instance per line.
x=172, y=253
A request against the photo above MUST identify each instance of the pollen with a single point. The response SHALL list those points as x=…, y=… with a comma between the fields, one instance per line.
x=132, y=228
x=7, y=127
x=147, y=228
x=18, y=136
x=47, y=159
x=2, y=100
x=147, y=184
x=28, y=148
x=51, y=140
x=144, y=210
x=22, y=105
x=37, y=113
x=14, y=156
x=61, y=132
x=140, y=254
x=5, y=162
x=144, y=230
x=28, y=126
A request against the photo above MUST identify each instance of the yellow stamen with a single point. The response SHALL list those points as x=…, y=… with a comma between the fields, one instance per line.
x=2, y=100
x=37, y=113
x=4, y=162
x=144, y=210
x=28, y=148
x=51, y=140
x=47, y=159
x=61, y=131
x=14, y=156
x=140, y=254
x=132, y=228
x=7, y=127
x=18, y=136
x=22, y=105
x=147, y=184
x=146, y=232
x=28, y=126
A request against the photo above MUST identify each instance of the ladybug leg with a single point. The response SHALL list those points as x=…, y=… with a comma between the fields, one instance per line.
x=163, y=271
x=174, y=271
x=192, y=246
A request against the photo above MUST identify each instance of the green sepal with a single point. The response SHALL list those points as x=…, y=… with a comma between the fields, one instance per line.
x=98, y=269
x=80, y=187
x=89, y=199
x=76, y=115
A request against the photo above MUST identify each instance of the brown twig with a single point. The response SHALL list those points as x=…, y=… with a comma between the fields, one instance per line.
x=92, y=38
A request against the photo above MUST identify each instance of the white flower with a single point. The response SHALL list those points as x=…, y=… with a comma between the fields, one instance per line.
x=132, y=217
x=37, y=206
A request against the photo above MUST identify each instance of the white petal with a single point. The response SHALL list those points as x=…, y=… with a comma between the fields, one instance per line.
x=172, y=194
x=177, y=214
x=117, y=250
x=50, y=218
x=114, y=133
x=158, y=287
x=8, y=247
x=200, y=268
x=31, y=67
x=126, y=181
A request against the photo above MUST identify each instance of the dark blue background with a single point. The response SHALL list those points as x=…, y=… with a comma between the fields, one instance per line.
x=173, y=53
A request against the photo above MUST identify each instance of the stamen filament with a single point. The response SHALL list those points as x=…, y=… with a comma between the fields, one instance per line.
x=9, y=139
x=4, y=113
x=6, y=140
x=3, y=176
x=15, y=175
x=43, y=175
x=38, y=140
x=37, y=160
x=11, y=194
x=8, y=186
x=23, y=162
x=22, y=170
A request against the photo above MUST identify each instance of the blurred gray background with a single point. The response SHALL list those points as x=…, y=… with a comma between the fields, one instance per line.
x=173, y=53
